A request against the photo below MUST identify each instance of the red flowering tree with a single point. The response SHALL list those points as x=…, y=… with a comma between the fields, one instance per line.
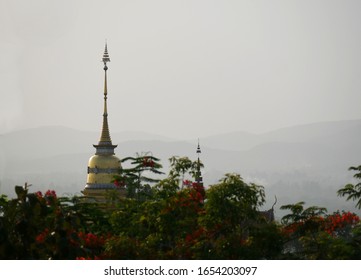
x=341, y=224
x=174, y=218
x=156, y=228
x=37, y=226
x=312, y=234
x=135, y=178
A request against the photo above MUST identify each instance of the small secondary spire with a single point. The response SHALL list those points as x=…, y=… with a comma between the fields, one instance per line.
x=199, y=179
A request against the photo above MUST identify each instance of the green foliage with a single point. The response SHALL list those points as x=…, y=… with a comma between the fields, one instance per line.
x=232, y=202
x=233, y=226
x=299, y=214
x=166, y=188
x=135, y=178
x=159, y=219
x=180, y=166
x=313, y=234
x=351, y=191
x=36, y=226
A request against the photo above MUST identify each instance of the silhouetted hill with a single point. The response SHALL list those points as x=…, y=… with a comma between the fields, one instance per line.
x=309, y=132
x=57, y=140
x=233, y=141
x=242, y=141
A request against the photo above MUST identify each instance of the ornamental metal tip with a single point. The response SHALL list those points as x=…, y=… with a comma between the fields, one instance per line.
x=106, y=55
x=198, y=148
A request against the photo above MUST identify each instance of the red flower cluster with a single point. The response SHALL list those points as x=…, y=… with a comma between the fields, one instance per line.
x=199, y=188
x=331, y=224
x=313, y=223
x=196, y=196
x=181, y=201
x=50, y=193
x=40, y=238
x=148, y=162
x=119, y=184
x=339, y=221
x=91, y=240
x=50, y=197
x=291, y=229
x=187, y=198
x=39, y=194
x=187, y=183
x=192, y=237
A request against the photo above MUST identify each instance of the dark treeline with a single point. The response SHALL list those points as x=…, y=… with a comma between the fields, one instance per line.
x=175, y=218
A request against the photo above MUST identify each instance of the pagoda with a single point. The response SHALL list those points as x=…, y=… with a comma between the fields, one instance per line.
x=104, y=165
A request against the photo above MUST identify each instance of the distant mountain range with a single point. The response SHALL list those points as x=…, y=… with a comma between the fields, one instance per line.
x=241, y=141
x=301, y=163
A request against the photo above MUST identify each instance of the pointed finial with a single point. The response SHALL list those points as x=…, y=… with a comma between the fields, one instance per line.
x=198, y=148
x=105, y=136
x=106, y=56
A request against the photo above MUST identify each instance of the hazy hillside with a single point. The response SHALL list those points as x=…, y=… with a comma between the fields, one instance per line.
x=306, y=162
x=57, y=140
x=241, y=141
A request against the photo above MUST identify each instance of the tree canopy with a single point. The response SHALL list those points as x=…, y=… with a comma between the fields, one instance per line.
x=174, y=218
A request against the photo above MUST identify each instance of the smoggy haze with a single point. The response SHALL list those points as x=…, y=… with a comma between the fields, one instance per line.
x=179, y=68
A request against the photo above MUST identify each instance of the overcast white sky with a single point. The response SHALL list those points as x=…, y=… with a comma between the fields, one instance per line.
x=179, y=68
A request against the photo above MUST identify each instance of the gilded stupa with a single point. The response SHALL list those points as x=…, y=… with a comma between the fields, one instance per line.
x=104, y=165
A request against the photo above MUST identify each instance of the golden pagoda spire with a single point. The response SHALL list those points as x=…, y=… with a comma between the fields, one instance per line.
x=105, y=145
x=104, y=165
x=105, y=135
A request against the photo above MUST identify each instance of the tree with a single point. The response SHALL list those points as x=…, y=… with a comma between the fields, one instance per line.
x=301, y=226
x=233, y=202
x=313, y=234
x=135, y=178
x=233, y=225
x=37, y=226
x=180, y=166
x=299, y=214
x=352, y=191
